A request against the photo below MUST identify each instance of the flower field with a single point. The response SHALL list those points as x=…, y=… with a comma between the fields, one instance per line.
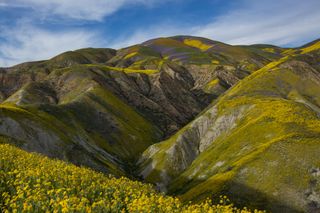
x=33, y=183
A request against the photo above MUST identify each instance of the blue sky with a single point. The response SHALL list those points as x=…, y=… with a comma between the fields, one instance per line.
x=40, y=29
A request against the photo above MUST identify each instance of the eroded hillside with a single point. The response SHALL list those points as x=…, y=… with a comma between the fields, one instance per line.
x=193, y=116
x=257, y=143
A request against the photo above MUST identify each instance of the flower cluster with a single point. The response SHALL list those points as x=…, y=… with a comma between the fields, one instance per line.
x=33, y=183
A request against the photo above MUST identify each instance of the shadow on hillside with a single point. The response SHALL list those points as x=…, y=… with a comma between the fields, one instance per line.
x=243, y=196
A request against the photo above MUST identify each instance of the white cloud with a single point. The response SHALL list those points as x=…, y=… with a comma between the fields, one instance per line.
x=75, y=9
x=279, y=22
x=28, y=43
x=275, y=22
x=147, y=33
x=23, y=41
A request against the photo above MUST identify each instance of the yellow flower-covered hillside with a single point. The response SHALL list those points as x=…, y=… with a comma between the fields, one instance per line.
x=33, y=183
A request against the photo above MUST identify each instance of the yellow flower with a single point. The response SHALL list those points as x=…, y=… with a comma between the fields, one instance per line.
x=55, y=186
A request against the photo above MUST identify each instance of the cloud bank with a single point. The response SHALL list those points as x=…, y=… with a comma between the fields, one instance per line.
x=284, y=23
x=94, y=10
x=277, y=22
x=28, y=43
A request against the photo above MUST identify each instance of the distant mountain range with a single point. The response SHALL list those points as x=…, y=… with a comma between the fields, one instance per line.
x=193, y=116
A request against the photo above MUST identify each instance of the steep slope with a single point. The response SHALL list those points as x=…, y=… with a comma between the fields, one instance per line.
x=55, y=186
x=258, y=143
x=102, y=107
x=81, y=115
x=229, y=117
x=13, y=78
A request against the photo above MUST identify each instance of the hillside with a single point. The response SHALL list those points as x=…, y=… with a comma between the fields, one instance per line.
x=33, y=183
x=195, y=117
x=260, y=139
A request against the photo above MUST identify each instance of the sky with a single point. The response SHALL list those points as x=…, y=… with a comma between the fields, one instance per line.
x=40, y=29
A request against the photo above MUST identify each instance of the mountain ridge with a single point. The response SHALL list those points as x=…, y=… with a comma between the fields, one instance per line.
x=160, y=110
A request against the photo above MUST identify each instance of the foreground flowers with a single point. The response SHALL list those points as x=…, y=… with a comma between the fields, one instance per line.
x=33, y=183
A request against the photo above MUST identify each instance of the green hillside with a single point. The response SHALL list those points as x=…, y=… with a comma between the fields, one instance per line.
x=257, y=143
x=194, y=117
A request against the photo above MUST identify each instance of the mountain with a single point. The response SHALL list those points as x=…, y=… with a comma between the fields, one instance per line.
x=194, y=117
